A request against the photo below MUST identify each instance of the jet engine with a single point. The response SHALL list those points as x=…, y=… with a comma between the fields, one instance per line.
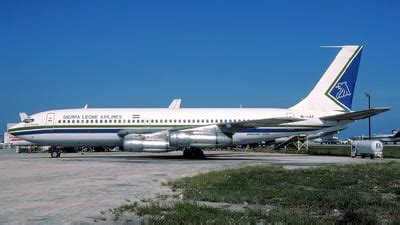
x=139, y=143
x=174, y=140
x=199, y=140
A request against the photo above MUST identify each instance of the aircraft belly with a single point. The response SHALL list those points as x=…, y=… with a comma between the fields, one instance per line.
x=251, y=138
x=107, y=139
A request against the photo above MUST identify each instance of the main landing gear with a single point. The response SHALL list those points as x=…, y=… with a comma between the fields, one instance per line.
x=193, y=153
x=55, y=152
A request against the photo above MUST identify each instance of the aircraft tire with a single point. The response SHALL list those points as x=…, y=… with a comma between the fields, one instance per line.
x=55, y=153
x=199, y=154
x=193, y=153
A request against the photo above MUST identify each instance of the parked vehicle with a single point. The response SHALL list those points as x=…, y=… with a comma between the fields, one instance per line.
x=367, y=148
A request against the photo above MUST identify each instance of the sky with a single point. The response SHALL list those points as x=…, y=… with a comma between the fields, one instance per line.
x=65, y=54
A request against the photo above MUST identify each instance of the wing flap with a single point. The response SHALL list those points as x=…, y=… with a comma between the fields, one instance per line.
x=357, y=115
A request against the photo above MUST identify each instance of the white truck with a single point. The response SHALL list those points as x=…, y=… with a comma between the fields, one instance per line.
x=367, y=148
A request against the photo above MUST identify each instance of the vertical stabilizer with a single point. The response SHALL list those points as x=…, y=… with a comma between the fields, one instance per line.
x=175, y=104
x=335, y=90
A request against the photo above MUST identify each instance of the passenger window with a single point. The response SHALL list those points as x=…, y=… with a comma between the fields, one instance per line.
x=129, y=121
x=119, y=121
x=202, y=121
x=105, y=121
x=101, y=121
x=96, y=121
x=174, y=121
x=59, y=121
x=82, y=121
x=68, y=121
x=91, y=121
x=123, y=121
x=206, y=121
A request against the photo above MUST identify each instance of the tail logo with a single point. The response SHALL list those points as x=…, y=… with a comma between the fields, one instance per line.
x=343, y=90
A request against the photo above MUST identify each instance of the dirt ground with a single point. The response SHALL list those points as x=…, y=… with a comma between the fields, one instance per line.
x=74, y=189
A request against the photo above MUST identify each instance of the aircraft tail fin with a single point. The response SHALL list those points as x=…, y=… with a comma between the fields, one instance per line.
x=23, y=116
x=335, y=90
x=175, y=104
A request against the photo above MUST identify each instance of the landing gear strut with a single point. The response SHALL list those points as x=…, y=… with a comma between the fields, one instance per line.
x=55, y=152
x=193, y=153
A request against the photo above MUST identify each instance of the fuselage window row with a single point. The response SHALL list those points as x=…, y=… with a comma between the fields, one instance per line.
x=162, y=121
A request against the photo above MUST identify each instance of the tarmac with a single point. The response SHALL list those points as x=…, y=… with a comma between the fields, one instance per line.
x=74, y=189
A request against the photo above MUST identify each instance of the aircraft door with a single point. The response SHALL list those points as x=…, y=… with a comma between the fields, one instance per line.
x=290, y=115
x=50, y=119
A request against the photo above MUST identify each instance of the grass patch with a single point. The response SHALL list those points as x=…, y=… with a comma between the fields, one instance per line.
x=350, y=194
x=389, y=151
x=344, y=150
x=192, y=213
x=367, y=193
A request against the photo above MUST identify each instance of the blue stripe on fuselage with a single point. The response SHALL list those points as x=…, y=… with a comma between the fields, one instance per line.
x=66, y=131
x=116, y=130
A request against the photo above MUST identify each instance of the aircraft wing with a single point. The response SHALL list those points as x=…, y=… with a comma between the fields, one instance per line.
x=242, y=125
x=229, y=127
x=357, y=115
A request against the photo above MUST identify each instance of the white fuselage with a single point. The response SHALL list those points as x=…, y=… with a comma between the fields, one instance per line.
x=103, y=127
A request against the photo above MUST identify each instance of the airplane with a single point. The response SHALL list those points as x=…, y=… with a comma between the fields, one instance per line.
x=327, y=108
x=394, y=137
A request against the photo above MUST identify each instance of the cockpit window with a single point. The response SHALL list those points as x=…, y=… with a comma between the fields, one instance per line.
x=28, y=120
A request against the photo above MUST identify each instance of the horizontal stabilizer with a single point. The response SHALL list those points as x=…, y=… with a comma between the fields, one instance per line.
x=358, y=115
x=242, y=125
